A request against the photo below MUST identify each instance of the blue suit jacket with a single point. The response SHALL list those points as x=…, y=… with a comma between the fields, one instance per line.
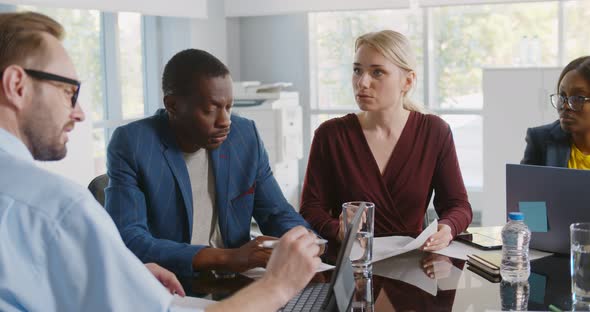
x=547, y=145
x=150, y=198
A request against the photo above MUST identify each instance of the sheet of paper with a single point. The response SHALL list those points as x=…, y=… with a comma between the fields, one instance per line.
x=406, y=268
x=535, y=215
x=257, y=273
x=450, y=281
x=387, y=247
x=458, y=250
x=186, y=304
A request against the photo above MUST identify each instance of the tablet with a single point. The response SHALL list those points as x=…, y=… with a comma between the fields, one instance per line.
x=480, y=241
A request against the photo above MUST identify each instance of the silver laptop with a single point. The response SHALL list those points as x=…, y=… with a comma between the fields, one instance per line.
x=566, y=193
x=336, y=296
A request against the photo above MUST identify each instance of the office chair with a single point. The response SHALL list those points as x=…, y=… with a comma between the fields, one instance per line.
x=97, y=186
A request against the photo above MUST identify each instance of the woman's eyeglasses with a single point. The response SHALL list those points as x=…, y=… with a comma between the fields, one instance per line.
x=576, y=102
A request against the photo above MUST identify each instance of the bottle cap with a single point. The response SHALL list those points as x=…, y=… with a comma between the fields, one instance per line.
x=516, y=216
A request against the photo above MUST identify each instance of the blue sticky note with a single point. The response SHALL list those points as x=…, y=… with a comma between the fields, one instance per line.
x=535, y=215
x=538, y=283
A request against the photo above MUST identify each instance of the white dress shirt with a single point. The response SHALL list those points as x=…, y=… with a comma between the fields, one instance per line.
x=59, y=249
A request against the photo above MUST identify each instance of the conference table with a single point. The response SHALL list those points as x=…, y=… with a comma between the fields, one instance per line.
x=402, y=283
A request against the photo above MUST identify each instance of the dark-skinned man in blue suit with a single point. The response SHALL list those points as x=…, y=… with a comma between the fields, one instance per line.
x=186, y=182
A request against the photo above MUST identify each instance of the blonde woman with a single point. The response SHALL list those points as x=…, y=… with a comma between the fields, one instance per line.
x=391, y=153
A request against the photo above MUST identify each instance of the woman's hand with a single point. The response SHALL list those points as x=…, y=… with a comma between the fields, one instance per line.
x=439, y=240
x=349, y=215
x=436, y=266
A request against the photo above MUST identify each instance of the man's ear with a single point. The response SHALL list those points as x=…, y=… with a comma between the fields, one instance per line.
x=14, y=86
x=171, y=104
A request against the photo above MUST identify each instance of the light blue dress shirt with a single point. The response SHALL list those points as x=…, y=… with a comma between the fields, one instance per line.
x=59, y=249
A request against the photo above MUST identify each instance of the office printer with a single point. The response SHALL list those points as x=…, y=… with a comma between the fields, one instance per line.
x=278, y=118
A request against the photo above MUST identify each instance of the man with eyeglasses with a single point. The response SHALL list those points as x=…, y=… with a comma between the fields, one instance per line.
x=59, y=250
x=565, y=142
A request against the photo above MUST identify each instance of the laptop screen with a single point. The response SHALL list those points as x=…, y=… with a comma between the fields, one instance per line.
x=551, y=199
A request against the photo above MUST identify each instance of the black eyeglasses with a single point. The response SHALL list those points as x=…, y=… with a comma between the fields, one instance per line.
x=576, y=102
x=41, y=75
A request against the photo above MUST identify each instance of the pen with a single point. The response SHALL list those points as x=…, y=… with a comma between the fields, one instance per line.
x=272, y=243
x=553, y=308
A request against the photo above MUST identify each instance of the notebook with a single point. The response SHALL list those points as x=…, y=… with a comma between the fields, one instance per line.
x=487, y=265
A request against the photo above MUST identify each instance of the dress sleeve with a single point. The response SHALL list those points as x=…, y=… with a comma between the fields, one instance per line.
x=317, y=191
x=450, y=196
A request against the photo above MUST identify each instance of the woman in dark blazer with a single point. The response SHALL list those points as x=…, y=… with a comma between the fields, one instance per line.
x=566, y=141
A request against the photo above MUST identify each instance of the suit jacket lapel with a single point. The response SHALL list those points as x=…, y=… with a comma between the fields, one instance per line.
x=177, y=164
x=558, y=148
x=220, y=159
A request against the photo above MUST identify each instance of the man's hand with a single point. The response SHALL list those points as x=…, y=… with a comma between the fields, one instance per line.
x=439, y=240
x=250, y=255
x=167, y=278
x=293, y=263
x=238, y=260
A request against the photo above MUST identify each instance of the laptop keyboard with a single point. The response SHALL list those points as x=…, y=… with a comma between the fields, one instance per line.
x=310, y=299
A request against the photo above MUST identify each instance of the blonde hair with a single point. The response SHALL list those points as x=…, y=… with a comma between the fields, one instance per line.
x=21, y=37
x=397, y=49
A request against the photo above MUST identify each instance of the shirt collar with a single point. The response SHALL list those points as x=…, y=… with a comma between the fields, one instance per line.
x=13, y=146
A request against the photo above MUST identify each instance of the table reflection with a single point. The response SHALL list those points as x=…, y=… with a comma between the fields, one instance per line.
x=421, y=281
x=416, y=281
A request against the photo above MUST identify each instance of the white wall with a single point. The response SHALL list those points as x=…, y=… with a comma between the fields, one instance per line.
x=211, y=34
x=276, y=48
x=514, y=100
x=219, y=36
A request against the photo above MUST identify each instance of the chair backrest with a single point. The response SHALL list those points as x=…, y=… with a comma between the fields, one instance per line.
x=97, y=186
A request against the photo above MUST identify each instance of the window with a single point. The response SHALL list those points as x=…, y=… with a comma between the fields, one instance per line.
x=83, y=43
x=575, y=22
x=104, y=45
x=334, y=44
x=467, y=38
x=131, y=69
x=460, y=41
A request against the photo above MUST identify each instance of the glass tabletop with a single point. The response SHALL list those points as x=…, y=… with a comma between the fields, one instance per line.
x=422, y=281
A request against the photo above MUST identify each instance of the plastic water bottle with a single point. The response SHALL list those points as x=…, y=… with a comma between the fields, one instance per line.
x=514, y=296
x=515, y=266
